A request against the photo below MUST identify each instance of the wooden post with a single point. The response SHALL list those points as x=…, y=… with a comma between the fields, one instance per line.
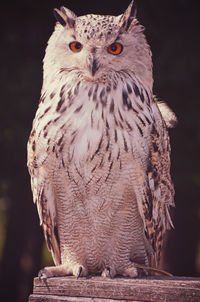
x=98, y=289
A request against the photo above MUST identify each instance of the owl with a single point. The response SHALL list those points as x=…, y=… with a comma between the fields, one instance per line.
x=99, y=151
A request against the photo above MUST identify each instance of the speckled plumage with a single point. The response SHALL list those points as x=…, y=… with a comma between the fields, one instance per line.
x=98, y=153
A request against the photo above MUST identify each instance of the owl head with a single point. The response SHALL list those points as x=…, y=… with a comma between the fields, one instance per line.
x=99, y=47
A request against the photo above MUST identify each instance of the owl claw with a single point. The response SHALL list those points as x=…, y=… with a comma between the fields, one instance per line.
x=79, y=272
x=108, y=272
x=44, y=274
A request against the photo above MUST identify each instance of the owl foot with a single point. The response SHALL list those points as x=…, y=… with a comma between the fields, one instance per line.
x=131, y=271
x=62, y=270
x=49, y=272
x=136, y=270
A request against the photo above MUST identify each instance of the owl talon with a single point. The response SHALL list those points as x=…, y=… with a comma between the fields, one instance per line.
x=108, y=270
x=44, y=274
x=108, y=273
x=79, y=272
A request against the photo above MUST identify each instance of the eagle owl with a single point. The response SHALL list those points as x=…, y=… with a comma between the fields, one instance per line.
x=99, y=152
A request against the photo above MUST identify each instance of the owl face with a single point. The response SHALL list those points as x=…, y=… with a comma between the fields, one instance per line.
x=99, y=47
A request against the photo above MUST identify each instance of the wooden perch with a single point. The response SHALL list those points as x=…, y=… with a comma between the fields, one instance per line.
x=98, y=289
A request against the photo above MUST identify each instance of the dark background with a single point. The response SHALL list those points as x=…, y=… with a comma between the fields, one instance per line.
x=173, y=31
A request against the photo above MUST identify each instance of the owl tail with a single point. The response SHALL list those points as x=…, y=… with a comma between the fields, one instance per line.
x=153, y=271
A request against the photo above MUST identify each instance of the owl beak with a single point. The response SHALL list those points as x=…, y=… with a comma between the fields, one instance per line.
x=94, y=67
x=93, y=64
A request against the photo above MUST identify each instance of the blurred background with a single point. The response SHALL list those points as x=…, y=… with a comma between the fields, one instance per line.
x=173, y=31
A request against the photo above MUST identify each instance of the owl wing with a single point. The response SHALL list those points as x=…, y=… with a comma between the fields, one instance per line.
x=43, y=194
x=153, y=187
x=167, y=114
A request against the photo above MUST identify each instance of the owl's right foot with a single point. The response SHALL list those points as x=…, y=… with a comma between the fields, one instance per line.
x=62, y=270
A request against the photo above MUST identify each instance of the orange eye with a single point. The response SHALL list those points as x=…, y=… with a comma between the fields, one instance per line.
x=75, y=46
x=115, y=48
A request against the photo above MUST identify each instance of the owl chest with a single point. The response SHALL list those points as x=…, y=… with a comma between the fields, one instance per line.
x=95, y=146
x=96, y=165
x=96, y=188
x=92, y=137
x=90, y=120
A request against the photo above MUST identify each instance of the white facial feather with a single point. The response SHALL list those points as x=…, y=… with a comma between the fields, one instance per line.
x=98, y=32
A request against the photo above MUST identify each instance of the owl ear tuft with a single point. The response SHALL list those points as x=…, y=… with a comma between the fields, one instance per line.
x=129, y=15
x=60, y=17
x=65, y=16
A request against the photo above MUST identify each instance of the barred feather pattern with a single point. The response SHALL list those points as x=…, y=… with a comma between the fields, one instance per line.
x=99, y=160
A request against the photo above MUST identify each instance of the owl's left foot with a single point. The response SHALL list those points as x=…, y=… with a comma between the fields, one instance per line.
x=130, y=271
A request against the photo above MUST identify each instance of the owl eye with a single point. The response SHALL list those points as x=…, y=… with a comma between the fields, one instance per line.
x=115, y=48
x=75, y=46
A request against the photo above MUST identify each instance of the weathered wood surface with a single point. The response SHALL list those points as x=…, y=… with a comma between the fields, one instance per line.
x=98, y=289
